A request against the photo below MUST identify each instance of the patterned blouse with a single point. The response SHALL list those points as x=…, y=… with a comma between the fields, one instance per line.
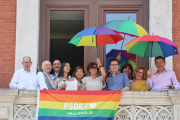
x=59, y=81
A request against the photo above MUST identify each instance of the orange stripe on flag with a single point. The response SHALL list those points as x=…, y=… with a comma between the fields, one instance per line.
x=79, y=98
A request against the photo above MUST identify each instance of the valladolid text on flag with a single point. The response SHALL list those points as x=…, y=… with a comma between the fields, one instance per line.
x=77, y=105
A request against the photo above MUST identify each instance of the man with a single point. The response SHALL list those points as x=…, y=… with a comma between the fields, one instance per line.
x=163, y=79
x=44, y=79
x=56, y=67
x=117, y=80
x=24, y=79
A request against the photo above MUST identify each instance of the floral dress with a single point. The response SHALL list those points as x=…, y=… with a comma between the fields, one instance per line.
x=59, y=82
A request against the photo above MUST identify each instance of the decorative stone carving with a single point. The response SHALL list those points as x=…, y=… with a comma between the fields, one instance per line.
x=144, y=113
x=25, y=112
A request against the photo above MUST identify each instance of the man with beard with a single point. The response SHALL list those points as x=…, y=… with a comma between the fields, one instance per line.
x=163, y=79
x=45, y=81
x=56, y=67
x=24, y=79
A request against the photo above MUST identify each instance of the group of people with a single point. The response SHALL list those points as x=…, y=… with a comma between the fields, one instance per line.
x=99, y=79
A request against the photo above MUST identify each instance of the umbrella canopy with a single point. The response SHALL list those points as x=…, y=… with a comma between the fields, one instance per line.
x=125, y=58
x=126, y=27
x=96, y=36
x=151, y=46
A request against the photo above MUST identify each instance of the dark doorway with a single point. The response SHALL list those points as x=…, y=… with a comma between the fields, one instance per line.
x=63, y=26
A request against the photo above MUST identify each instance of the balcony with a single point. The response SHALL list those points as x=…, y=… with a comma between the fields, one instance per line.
x=134, y=105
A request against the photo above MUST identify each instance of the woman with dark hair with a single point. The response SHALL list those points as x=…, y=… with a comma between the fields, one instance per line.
x=93, y=82
x=79, y=73
x=139, y=83
x=128, y=69
x=63, y=76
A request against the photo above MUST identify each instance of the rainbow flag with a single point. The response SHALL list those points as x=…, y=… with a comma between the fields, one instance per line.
x=77, y=105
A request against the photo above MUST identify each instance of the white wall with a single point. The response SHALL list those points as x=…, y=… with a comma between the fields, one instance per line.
x=160, y=23
x=27, y=32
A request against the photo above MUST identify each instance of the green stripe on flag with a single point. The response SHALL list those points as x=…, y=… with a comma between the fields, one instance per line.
x=77, y=113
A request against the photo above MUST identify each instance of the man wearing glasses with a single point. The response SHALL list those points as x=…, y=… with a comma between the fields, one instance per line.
x=24, y=79
x=163, y=79
x=117, y=80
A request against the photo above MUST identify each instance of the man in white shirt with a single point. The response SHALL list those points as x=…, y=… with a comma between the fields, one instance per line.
x=56, y=67
x=24, y=79
x=44, y=79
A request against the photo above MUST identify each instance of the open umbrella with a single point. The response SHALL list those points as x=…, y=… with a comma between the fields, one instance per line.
x=126, y=27
x=96, y=36
x=151, y=46
x=125, y=58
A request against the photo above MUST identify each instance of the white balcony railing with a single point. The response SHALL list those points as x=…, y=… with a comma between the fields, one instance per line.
x=134, y=105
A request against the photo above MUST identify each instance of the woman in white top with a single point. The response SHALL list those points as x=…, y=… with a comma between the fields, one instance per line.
x=93, y=82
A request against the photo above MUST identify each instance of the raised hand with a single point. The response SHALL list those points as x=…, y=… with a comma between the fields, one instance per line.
x=149, y=72
x=98, y=62
x=118, y=56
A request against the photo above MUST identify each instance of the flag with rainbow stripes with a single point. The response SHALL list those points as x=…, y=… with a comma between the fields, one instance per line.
x=77, y=105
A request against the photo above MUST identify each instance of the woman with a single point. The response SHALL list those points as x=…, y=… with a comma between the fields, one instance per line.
x=63, y=76
x=93, y=82
x=79, y=73
x=128, y=69
x=140, y=75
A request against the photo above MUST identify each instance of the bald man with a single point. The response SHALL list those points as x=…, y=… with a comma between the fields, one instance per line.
x=56, y=67
x=24, y=79
x=44, y=79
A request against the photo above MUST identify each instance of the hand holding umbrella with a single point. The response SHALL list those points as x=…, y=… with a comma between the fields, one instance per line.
x=118, y=56
x=149, y=73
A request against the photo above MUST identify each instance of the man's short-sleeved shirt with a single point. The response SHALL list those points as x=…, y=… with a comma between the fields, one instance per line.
x=118, y=82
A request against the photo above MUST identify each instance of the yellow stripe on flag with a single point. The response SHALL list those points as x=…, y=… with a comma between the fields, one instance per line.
x=77, y=106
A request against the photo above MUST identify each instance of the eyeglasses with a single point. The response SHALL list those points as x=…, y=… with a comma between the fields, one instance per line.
x=26, y=62
x=93, y=67
x=79, y=71
x=139, y=72
x=159, y=63
x=114, y=64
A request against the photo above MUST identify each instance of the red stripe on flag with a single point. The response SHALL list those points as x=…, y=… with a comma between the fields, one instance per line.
x=80, y=92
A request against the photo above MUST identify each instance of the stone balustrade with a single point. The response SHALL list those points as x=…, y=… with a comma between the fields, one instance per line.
x=134, y=105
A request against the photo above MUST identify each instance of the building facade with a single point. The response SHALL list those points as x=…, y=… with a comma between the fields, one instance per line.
x=26, y=29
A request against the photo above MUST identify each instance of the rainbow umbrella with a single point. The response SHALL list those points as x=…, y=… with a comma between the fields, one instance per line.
x=151, y=46
x=125, y=58
x=126, y=27
x=96, y=36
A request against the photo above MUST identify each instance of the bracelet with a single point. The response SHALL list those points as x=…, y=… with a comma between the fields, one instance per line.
x=101, y=66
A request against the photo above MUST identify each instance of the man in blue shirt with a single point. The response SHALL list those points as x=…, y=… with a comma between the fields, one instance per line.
x=117, y=80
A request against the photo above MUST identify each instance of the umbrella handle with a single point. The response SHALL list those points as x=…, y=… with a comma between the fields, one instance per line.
x=151, y=52
x=123, y=42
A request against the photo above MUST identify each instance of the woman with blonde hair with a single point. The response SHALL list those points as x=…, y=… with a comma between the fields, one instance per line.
x=139, y=83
